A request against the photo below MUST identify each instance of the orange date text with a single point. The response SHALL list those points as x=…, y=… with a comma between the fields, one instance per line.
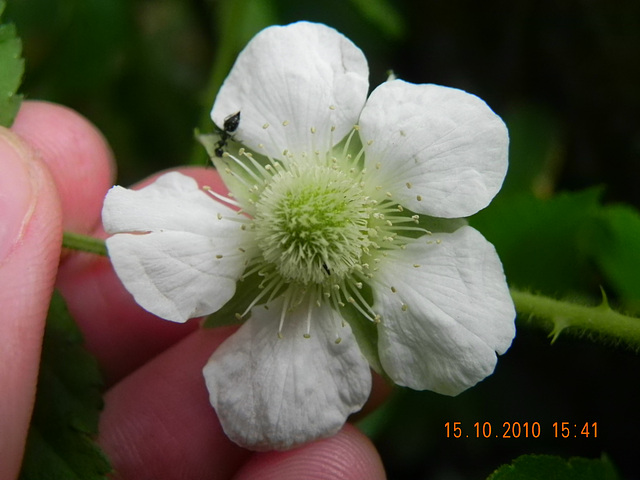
x=521, y=430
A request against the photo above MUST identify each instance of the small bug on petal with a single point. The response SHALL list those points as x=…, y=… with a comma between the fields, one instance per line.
x=229, y=126
x=231, y=123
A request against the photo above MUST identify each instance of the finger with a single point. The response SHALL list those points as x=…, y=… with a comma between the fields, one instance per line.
x=348, y=455
x=30, y=239
x=158, y=423
x=77, y=155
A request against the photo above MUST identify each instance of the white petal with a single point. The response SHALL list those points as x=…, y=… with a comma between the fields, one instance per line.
x=441, y=151
x=306, y=75
x=185, y=252
x=458, y=312
x=277, y=393
x=180, y=275
x=174, y=202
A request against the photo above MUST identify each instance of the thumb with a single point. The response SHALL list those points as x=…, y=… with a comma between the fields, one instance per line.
x=30, y=242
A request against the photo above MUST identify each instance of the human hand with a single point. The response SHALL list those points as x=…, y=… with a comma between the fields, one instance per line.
x=157, y=421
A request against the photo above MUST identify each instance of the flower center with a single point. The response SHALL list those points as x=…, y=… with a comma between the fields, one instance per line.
x=321, y=225
x=311, y=223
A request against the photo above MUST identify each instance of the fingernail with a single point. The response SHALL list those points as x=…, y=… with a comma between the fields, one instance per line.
x=17, y=199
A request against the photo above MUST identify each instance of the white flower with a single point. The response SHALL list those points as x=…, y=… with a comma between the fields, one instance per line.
x=349, y=242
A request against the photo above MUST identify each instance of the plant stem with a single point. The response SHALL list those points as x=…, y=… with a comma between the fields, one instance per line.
x=595, y=321
x=84, y=243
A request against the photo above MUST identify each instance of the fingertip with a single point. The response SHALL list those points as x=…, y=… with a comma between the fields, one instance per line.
x=77, y=155
x=348, y=455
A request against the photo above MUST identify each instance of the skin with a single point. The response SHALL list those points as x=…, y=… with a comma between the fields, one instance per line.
x=157, y=421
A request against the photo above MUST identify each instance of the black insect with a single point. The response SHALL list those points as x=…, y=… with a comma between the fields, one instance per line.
x=231, y=123
x=229, y=126
x=326, y=269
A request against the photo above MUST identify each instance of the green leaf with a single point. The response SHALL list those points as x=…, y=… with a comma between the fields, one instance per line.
x=544, y=245
x=547, y=467
x=11, y=71
x=68, y=402
x=568, y=244
x=616, y=249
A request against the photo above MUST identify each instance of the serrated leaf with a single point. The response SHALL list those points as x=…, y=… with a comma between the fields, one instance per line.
x=548, y=467
x=11, y=71
x=68, y=403
x=616, y=249
x=544, y=244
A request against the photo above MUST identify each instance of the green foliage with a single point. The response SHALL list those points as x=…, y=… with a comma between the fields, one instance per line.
x=616, y=248
x=68, y=402
x=544, y=244
x=547, y=467
x=11, y=70
x=382, y=14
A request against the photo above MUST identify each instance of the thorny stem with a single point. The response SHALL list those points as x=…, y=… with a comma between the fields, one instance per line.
x=599, y=321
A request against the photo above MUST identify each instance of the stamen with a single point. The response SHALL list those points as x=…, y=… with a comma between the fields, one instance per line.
x=268, y=289
x=259, y=167
x=243, y=166
x=348, y=143
x=361, y=304
x=285, y=306
x=222, y=198
x=308, y=329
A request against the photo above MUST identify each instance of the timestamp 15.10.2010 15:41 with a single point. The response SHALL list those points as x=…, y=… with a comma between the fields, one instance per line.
x=522, y=430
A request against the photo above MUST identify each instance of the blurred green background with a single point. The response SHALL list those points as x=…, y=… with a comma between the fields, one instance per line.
x=565, y=76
